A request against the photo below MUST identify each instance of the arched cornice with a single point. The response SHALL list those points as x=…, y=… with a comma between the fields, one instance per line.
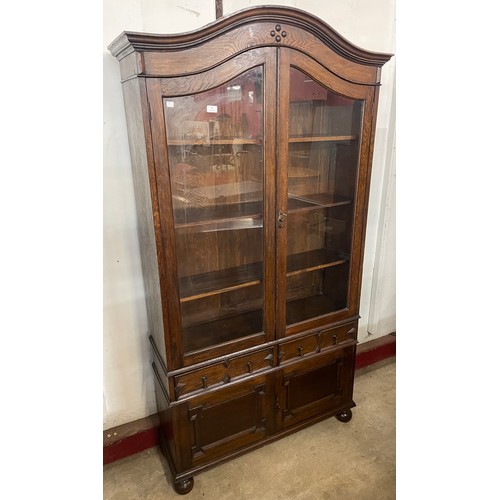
x=130, y=41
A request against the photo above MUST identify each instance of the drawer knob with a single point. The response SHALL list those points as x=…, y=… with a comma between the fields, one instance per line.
x=204, y=382
x=334, y=339
x=249, y=366
x=300, y=349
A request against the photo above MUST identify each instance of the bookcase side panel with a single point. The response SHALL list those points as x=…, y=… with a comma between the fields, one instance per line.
x=142, y=161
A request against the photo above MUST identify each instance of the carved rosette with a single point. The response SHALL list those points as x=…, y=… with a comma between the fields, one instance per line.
x=278, y=34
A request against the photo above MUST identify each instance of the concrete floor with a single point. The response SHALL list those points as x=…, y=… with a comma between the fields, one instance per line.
x=330, y=460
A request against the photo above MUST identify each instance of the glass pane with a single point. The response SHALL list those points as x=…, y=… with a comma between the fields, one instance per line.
x=322, y=167
x=216, y=170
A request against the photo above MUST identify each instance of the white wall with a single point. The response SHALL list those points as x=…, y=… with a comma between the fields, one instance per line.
x=128, y=381
x=382, y=309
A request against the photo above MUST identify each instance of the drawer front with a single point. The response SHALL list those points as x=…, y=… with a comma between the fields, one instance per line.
x=199, y=380
x=321, y=340
x=249, y=364
x=232, y=369
x=331, y=337
x=297, y=349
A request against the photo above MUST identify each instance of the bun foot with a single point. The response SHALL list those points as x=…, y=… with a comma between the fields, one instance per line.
x=185, y=486
x=344, y=416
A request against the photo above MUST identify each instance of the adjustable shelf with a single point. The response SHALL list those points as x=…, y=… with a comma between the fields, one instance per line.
x=216, y=282
x=243, y=212
x=193, y=216
x=312, y=261
x=314, y=201
x=226, y=280
x=202, y=335
x=302, y=309
x=213, y=142
x=321, y=138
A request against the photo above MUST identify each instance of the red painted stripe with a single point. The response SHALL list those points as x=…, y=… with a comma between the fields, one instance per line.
x=150, y=437
x=130, y=445
x=371, y=356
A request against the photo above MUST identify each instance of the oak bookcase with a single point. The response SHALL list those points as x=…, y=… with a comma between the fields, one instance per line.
x=251, y=142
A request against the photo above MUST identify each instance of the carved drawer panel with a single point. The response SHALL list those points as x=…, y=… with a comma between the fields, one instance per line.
x=321, y=340
x=198, y=380
x=233, y=368
x=331, y=337
x=241, y=366
x=297, y=349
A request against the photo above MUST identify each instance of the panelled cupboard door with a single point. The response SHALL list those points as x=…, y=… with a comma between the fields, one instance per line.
x=323, y=152
x=225, y=421
x=214, y=144
x=315, y=387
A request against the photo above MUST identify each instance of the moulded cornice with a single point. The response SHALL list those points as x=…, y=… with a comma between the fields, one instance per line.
x=130, y=41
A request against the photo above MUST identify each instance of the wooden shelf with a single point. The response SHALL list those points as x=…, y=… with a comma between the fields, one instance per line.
x=210, y=193
x=215, y=332
x=312, y=261
x=310, y=307
x=213, y=142
x=322, y=138
x=313, y=201
x=216, y=282
x=302, y=172
x=226, y=280
x=219, y=214
x=194, y=216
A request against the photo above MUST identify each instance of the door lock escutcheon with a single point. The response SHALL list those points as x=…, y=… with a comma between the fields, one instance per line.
x=281, y=219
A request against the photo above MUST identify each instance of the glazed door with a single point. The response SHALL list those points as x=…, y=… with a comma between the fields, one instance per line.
x=216, y=174
x=322, y=155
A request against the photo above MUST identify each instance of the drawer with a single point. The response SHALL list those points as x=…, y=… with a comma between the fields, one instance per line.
x=319, y=341
x=198, y=380
x=331, y=337
x=241, y=366
x=297, y=349
x=232, y=368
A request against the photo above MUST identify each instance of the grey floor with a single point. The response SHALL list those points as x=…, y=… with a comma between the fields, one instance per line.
x=330, y=460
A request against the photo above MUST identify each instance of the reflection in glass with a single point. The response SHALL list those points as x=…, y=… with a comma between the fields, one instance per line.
x=216, y=171
x=322, y=167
